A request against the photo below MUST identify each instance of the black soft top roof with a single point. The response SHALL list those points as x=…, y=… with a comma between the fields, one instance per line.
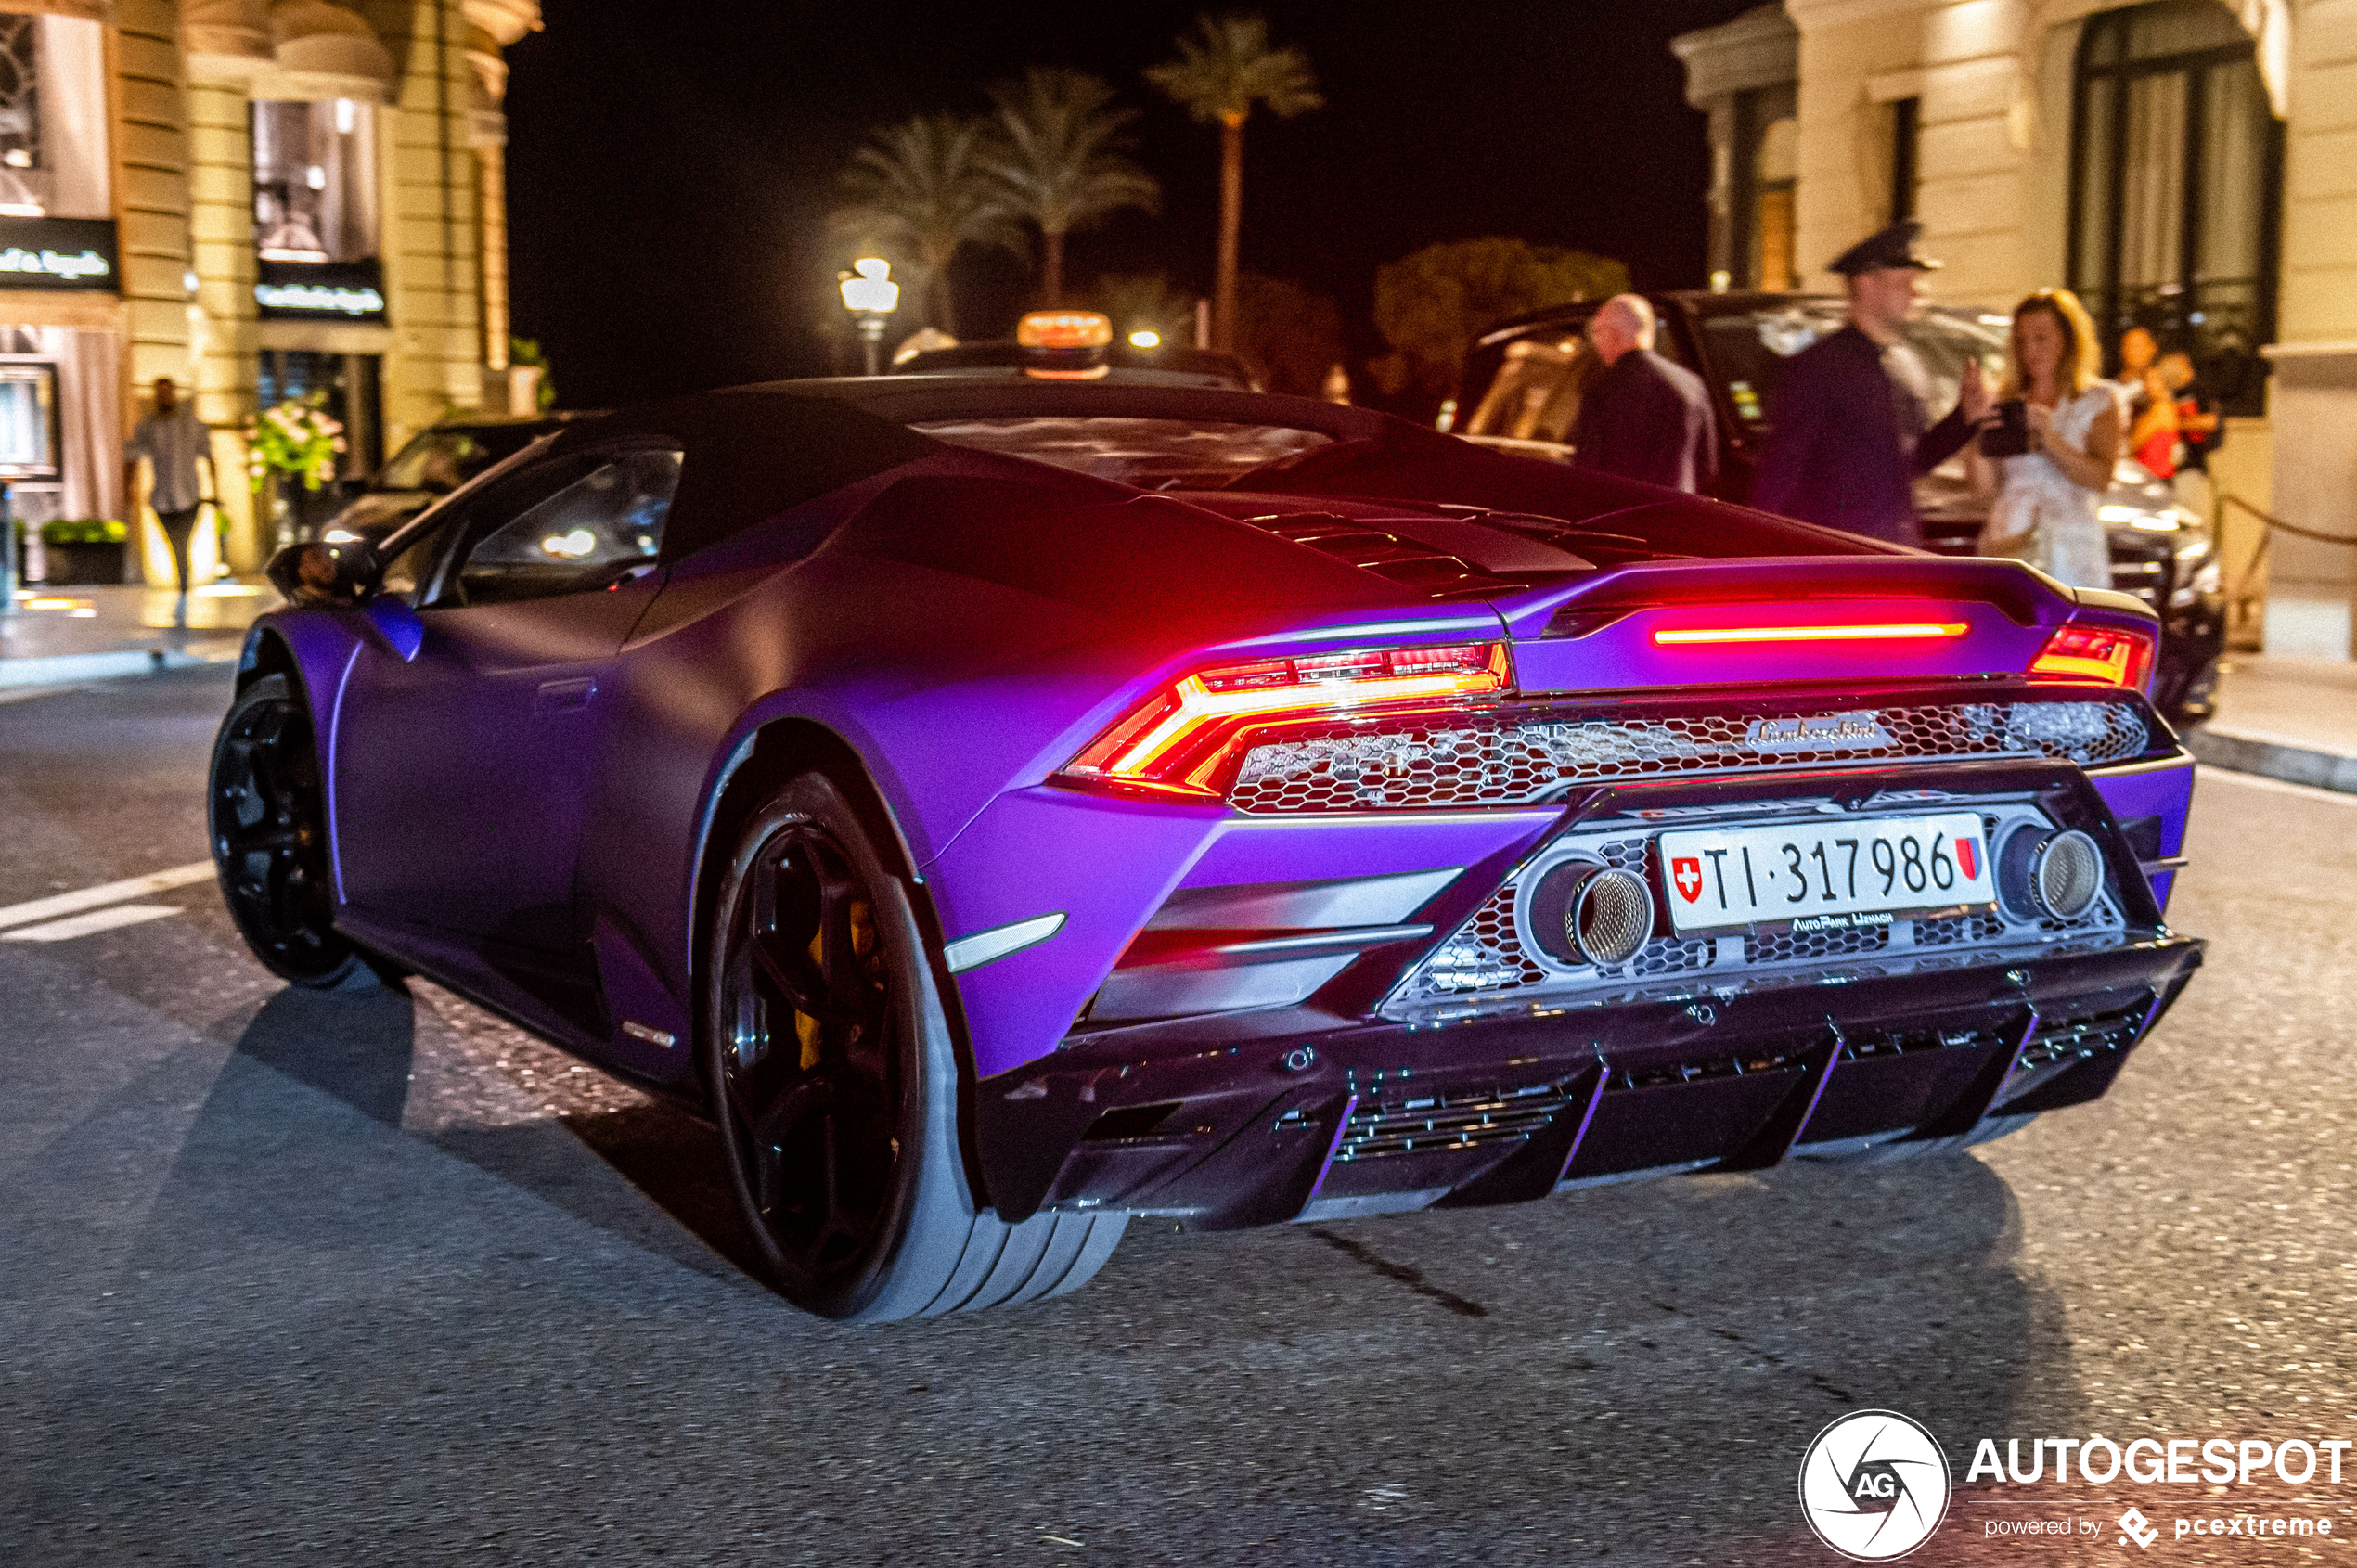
x=755, y=451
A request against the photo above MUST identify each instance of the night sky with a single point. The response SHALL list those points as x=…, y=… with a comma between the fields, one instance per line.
x=669, y=164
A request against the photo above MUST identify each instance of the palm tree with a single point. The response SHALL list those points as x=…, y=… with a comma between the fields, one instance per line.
x=1224, y=69
x=920, y=188
x=1060, y=156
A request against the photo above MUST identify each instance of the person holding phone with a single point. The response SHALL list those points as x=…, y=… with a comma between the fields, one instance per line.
x=2045, y=457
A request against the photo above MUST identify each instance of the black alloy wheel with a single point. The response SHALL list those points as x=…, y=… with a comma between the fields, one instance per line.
x=834, y=1079
x=267, y=821
x=815, y=1054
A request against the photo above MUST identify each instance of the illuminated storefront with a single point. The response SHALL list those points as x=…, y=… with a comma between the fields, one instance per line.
x=61, y=315
x=259, y=198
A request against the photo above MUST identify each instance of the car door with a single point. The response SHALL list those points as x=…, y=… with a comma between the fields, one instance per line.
x=468, y=721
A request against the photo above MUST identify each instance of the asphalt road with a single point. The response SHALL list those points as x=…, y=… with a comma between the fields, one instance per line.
x=370, y=1276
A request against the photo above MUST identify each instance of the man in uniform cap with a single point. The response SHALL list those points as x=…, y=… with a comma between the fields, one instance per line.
x=1849, y=436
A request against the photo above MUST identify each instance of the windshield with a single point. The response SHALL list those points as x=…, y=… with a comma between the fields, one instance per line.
x=1150, y=453
x=444, y=459
x=1748, y=350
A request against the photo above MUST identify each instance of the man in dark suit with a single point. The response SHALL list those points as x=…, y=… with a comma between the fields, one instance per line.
x=1643, y=418
x=1849, y=436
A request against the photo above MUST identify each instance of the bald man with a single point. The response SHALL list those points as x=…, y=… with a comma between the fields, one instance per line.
x=1645, y=418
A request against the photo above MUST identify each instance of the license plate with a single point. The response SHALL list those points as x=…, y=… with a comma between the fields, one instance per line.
x=1834, y=877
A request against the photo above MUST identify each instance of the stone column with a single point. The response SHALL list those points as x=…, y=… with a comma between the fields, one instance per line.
x=2312, y=400
x=221, y=222
x=151, y=201
x=1758, y=49
x=431, y=247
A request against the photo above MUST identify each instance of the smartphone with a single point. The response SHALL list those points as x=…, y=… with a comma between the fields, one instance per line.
x=2009, y=436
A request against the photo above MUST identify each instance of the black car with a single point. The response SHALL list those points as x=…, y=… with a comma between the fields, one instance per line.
x=437, y=460
x=1524, y=379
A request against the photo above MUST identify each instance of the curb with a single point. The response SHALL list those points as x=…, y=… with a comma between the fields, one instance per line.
x=2273, y=759
x=67, y=669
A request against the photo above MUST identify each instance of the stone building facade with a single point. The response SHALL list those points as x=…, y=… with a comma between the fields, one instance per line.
x=2189, y=165
x=259, y=198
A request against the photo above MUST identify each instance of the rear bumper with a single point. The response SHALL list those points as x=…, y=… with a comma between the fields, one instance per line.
x=1301, y=1113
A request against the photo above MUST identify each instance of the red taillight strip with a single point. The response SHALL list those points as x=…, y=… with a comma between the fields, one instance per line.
x=2105, y=655
x=1180, y=737
x=1198, y=706
x=1890, y=631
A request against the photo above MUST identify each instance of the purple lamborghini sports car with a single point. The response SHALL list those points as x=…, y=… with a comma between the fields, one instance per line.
x=1007, y=809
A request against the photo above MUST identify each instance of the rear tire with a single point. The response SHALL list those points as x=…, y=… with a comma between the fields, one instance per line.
x=267, y=818
x=834, y=1085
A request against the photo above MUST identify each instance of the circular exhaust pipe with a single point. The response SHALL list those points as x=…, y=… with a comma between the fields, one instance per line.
x=2057, y=875
x=1582, y=913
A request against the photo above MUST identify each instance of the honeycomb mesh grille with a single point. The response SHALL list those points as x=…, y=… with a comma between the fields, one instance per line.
x=1953, y=930
x=1486, y=955
x=1665, y=955
x=1505, y=761
x=1795, y=947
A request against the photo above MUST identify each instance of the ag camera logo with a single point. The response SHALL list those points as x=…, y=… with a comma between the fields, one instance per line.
x=1873, y=1485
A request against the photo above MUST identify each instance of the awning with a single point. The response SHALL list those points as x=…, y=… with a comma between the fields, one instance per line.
x=294, y=50
x=327, y=52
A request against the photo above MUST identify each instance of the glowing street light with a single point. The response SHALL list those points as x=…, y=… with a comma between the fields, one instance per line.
x=1145, y=338
x=870, y=295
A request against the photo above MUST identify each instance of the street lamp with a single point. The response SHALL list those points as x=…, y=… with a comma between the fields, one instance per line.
x=870, y=295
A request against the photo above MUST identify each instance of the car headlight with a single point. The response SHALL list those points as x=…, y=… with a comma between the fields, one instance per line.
x=2200, y=582
x=2197, y=569
x=2152, y=519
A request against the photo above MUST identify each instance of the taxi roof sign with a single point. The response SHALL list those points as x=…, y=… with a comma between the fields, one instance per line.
x=1064, y=330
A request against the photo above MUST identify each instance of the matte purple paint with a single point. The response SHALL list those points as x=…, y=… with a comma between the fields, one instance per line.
x=1104, y=863
x=958, y=664
x=1247, y=849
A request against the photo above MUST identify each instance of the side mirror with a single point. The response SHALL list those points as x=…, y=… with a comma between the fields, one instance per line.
x=327, y=574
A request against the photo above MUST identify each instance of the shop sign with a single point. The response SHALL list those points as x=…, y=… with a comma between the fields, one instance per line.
x=320, y=290
x=58, y=253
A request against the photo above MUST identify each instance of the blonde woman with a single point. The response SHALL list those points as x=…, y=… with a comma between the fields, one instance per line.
x=2047, y=481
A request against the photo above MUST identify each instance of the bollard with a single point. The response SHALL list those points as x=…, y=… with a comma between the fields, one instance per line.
x=8, y=554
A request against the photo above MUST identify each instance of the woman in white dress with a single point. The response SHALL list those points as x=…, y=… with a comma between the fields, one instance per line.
x=2044, y=503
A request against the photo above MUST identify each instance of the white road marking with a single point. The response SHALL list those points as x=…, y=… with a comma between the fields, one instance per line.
x=85, y=925
x=106, y=893
x=2208, y=774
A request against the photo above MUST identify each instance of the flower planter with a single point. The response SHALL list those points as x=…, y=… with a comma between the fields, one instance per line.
x=72, y=564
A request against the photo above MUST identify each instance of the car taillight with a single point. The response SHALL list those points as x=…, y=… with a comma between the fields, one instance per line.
x=1879, y=630
x=2106, y=655
x=1183, y=738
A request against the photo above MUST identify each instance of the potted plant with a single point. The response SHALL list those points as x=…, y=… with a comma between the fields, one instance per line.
x=84, y=549
x=297, y=440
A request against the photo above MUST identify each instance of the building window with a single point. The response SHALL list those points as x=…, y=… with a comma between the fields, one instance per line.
x=1767, y=158
x=1906, y=133
x=53, y=117
x=2176, y=178
x=349, y=386
x=315, y=186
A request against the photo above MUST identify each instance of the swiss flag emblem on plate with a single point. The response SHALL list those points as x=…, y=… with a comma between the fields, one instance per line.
x=1686, y=871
